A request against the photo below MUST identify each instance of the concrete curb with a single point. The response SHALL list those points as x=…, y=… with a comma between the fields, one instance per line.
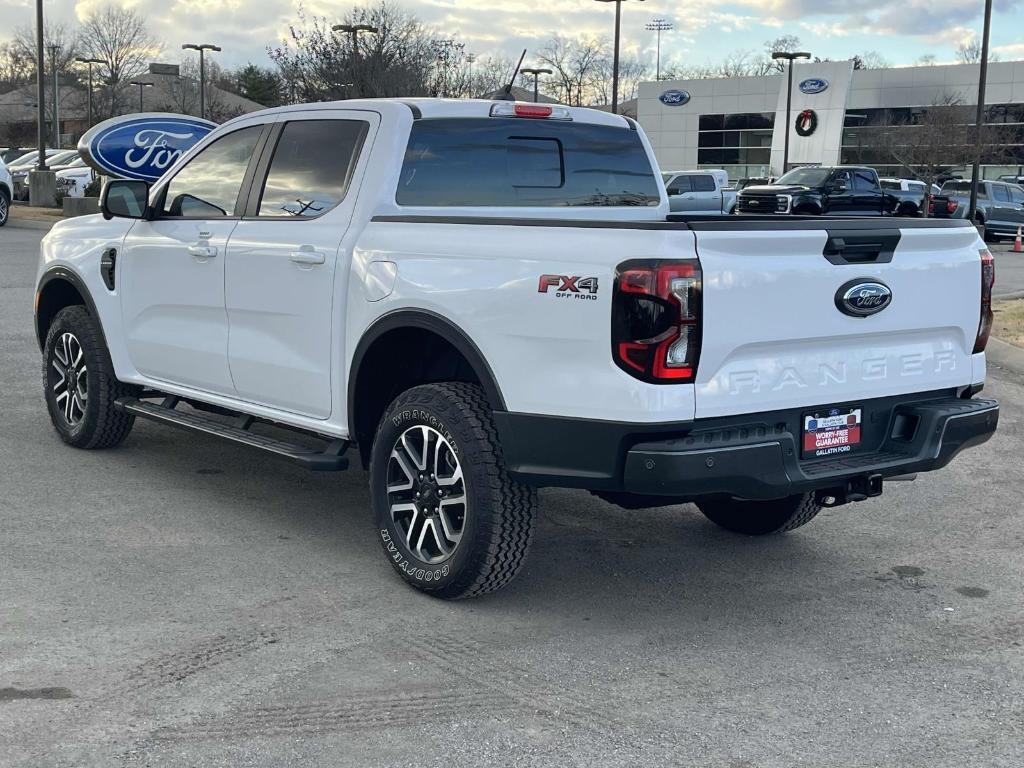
x=30, y=224
x=1005, y=355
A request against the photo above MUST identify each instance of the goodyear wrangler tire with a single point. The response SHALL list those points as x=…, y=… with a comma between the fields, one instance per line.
x=450, y=519
x=79, y=383
x=758, y=518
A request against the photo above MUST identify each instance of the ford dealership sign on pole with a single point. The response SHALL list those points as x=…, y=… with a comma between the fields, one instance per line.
x=141, y=146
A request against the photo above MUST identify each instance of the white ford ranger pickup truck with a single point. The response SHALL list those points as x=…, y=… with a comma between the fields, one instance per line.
x=483, y=298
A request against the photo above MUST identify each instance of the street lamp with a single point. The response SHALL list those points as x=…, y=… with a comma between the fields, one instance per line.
x=89, y=62
x=789, y=56
x=659, y=26
x=202, y=48
x=536, y=75
x=615, y=57
x=56, y=97
x=980, y=115
x=354, y=30
x=141, y=85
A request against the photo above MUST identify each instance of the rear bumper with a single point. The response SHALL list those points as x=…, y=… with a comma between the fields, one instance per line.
x=755, y=457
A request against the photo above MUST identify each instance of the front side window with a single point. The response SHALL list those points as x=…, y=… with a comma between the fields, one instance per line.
x=207, y=186
x=863, y=182
x=1017, y=194
x=312, y=167
x=510, y=162
x=1000, y=193
x=679, y=186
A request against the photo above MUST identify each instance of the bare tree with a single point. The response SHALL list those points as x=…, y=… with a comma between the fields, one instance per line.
x=120, y=37
x=786, y=43
x=969, y=52
x=580, y=68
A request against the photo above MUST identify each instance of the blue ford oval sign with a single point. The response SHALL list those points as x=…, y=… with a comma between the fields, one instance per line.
x=141, y=146
x=863, y=297
x=674, y=98
x=813, y=85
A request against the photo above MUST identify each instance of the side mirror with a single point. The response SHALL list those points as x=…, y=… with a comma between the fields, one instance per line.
x=125, y=199
x=839, y=187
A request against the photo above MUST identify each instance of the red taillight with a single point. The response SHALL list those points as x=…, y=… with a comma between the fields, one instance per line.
x=931, y=206
x=988, y=280
x=532, y=110
x=951, y=206
x=656, y=315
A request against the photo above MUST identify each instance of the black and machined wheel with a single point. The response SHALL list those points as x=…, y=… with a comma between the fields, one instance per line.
x=758, y=518
x=79, y=383
x=5, y=207
x=450, y=519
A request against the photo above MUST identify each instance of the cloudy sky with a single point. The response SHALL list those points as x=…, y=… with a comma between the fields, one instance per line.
x=705, y=31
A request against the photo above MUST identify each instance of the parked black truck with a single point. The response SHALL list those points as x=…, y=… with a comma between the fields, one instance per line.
x=842, y=190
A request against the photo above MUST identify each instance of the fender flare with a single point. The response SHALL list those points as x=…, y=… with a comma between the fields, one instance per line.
x=63, y=273
x=443, y=327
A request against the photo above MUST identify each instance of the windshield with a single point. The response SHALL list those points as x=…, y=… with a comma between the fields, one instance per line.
x=805, y=177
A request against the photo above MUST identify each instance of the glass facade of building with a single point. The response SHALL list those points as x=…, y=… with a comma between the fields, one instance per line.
x=739, y=143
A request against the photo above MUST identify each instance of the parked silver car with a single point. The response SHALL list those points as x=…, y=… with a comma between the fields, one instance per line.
x=1000, y=207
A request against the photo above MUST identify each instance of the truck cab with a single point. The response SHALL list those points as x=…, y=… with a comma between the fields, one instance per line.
x=698, y=192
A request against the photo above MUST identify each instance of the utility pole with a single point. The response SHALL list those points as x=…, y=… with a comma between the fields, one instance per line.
x=979, y=120
x=202, y=48
x=789, y=56
x=89, y=63
x=54, y=50
x=536, y=75
x=659, y=26
x=615, y=57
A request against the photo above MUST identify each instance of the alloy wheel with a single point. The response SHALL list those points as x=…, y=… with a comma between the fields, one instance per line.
x=427, y=494
x=68, y=378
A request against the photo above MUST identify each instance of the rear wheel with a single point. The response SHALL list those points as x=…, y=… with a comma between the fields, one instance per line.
x=5, y=207
x=79, y=383
x=450, y=519
x=758, y=518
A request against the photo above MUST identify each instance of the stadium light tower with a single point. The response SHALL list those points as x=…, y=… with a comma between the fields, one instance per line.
x=659, y=26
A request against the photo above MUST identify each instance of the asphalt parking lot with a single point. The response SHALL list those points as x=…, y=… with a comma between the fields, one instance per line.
x=183, y=602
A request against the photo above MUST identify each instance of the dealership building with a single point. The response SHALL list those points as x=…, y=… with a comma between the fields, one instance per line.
x=739, y=123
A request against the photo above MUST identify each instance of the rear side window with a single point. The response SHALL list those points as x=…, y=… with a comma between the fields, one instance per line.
x=863, y=181
x=1017, y=194
x=890, y=184
x=915, y=187
x=498, y=162
x=703, y=183
x=312, y=167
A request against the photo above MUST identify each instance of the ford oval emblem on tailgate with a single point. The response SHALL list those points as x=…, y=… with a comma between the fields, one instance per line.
x=863, y=297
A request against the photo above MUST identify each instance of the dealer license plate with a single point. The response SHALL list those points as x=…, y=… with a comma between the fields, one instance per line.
x=831, y=432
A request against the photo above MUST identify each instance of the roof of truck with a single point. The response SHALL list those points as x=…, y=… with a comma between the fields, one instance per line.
x=432, y=108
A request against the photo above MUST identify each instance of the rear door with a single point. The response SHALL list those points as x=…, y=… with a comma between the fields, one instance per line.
x=706, y=197
x=284, y=256
x=774, y=336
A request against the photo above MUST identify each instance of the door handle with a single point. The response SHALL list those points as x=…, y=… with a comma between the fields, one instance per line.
x=307, y=257
x=202, y=251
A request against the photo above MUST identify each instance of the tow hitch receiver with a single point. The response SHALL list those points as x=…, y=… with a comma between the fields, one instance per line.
x=858, y=489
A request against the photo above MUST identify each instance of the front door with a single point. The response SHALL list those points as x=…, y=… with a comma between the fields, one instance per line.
x=172, y=269
x=285, y=255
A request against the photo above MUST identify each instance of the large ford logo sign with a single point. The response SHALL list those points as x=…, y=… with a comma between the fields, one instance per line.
x=674, y=98
x=813, y=85
x=141, y=146
x=863, y=297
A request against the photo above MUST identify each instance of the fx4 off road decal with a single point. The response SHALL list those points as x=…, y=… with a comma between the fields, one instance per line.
x=569, y=286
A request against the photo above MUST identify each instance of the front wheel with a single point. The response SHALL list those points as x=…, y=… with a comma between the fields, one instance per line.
x=758, y=518
x=79, y=383
x=450, y=519
x=5, y=207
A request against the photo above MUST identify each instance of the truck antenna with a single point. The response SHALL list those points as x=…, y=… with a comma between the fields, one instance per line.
x=507, y=95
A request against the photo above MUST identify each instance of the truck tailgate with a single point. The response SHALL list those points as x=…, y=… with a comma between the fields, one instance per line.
x=774, y=335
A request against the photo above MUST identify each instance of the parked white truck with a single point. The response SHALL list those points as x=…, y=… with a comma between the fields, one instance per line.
x=484, y=298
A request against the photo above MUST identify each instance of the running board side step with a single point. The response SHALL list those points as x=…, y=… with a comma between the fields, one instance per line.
x=330, y=458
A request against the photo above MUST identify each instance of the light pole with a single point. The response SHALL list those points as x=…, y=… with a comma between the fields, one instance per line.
x=202, y=48
x=659, y=26
x=56, y=97
x=470, y=58
x=789, y=56
x=40, y=89
x=355, y=30
x=141, y=85
x=980, y=115
x=615, y=56
x=536, y=75
x=89, y=63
